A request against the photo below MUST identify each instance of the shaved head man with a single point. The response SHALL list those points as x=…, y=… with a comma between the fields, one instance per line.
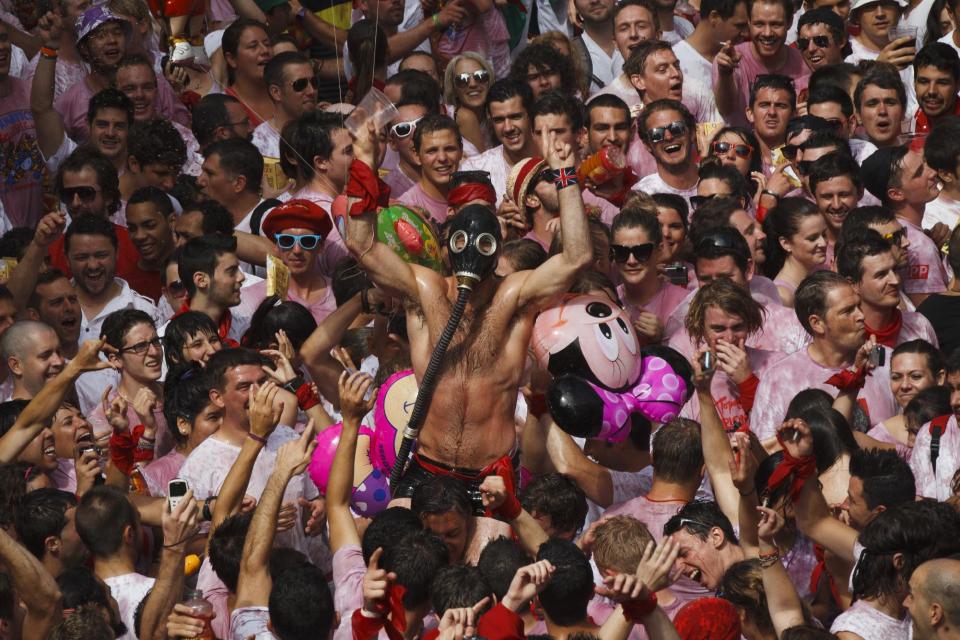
x=934, y=600
x=31, y=350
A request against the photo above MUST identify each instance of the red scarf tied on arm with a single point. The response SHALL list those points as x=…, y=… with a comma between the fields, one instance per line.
x=887, y=336
x=366, y=185
x=798, y=468
x=847, y=380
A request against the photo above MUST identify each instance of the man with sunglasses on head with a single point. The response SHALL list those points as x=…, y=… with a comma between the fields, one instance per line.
x=405, y=171
x=292, y=85
x=666, y=128
x=821, y=37
x=900, y=178
x=439, y=149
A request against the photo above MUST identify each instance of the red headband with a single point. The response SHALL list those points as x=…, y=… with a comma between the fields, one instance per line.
x=464, y=193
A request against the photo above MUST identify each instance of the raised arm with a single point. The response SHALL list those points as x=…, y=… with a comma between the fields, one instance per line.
x=179, y=528
x=50, y=130
x=717, y=453
x=556, y=275
x=725, y=88
x=254, y=583
x=783, y=601
x=23, y=280
x=45, y=404
x=384, y=267
x=34, y=586
x=812, y=512
x=342, y=528
x=505, y=505
x=265, y=411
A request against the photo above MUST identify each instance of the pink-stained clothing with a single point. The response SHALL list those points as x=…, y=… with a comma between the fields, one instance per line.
x=399, y=182
x=67, y=74
x=129, y=590
x=600, y=608
x=493, y=162
x=916, y=326
x=102, y=429
x=161, y=471
x=334, y=248
x=320, y=309
x=747, y=71
x=880, y=433
x=72, y=106
x=348, y=571
x=250, y=622
x=415, y=196
x=218, y=595
x=924, y=272
x=64, y=477
x=601, y=207
x=207, y=466
x=726, y=393
x=662, y=304
x=485, y=34
x=871, y=624
x=786, y=378
x=639, y=158
x=22, y=167
x=653, y=183
x=800, y=561
x=930, y=483
x=533, y=237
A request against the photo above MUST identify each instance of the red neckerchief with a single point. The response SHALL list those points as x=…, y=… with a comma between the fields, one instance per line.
x=923, y=124
x=799, y=468
x=223, y=328
x=887, y=336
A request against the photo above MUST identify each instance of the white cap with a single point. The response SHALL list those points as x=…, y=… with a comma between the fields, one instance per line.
x=856, y=4
x=212, y=41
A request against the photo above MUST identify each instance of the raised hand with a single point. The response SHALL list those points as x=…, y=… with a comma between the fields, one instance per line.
x=49, y=28
x=769, y=525
x=526, y=583
x=294, y=456
x=452, y=13
x=702, y=379
x=376, y=584
x=461, y=623
x=649, y=326
x=657, y=563
x=87, y=466
x=180, y=624
x=354, y=403
x=88, y=357
x=796, y=438
x=862, y=359
x=286, y=517
x=314, y=515
x=493, y=492
x=182, y=524
x=622, y=587
x=144, y=404
x=265, y=409
x=733, y=360
x=728, y=58
x=559, y=155
x=115, y=410
x=743, y=466
x=284, y=371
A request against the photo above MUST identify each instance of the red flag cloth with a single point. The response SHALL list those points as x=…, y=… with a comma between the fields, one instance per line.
x=847, y=380
x=365, y=184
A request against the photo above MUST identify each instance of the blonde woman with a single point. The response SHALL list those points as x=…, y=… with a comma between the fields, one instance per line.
x=465, y=84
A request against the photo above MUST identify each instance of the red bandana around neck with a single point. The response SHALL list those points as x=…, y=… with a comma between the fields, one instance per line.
x=223, y=327
x=887, y=336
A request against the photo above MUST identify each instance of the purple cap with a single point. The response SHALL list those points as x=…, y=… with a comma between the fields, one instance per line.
x=95, y=16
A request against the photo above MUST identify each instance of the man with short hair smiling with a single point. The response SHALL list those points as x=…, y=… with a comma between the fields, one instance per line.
x=31, y=351
x=821, y=38
x=149, y=216
x=828, y=307
x=936, y=75
x=866, y=261
x=836, y=187
x=737, y=67
x=439, y=149
x=400, y=132
x=902, y=181
x=667, y=130
x=508, y=112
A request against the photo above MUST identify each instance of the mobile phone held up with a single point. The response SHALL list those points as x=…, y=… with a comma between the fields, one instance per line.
x=176, y=490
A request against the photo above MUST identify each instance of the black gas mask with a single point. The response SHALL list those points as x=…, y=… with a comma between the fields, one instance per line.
x=474, y=240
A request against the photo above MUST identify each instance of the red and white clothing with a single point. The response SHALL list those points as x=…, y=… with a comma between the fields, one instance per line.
x=930, y=483
x=924, y=272
x=786, y=378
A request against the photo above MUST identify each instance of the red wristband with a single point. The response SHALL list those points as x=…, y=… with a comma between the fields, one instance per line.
x=256, y=438
x=634, y=611
x=537, y=404
x=510, y=509
x=307, y=397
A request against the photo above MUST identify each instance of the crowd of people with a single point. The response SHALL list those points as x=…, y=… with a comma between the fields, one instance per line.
x=236, y=235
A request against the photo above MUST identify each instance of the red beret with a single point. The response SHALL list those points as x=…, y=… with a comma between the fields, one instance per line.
x=708, y=619
x=297, y=214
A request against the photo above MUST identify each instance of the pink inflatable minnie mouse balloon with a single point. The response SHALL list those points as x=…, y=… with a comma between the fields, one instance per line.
x=371, y=491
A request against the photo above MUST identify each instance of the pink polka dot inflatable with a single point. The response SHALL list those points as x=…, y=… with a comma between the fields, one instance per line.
x=371, y=491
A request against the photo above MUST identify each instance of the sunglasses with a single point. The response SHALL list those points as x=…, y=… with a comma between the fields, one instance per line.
x=658, y=134
x=714, y=241
x=176, y=289
x=803, y=167
x=741, y=150
x=896, y=238
x=699, y=201
x=307, y=241
x=640, y=252
x=790, y=151
x=403, y=130
x=821, y=42
x=301, y=84
x=86, y=194
x=482, y=76
x=141, y=347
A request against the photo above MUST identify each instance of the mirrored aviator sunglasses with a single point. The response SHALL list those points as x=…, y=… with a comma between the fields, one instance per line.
x=659, y=134
x=463, y=79
x=740, y=150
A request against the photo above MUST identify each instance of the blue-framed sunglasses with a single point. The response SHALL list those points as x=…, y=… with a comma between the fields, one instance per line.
x=307, y=241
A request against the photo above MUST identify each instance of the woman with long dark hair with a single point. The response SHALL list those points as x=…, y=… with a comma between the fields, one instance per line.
x=796, y=244
x=246, y=50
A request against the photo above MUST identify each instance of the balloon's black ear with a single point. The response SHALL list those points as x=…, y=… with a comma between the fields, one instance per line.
x=575, y=406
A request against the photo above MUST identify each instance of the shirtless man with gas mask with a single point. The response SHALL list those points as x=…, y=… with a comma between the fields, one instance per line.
x=469, y=429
